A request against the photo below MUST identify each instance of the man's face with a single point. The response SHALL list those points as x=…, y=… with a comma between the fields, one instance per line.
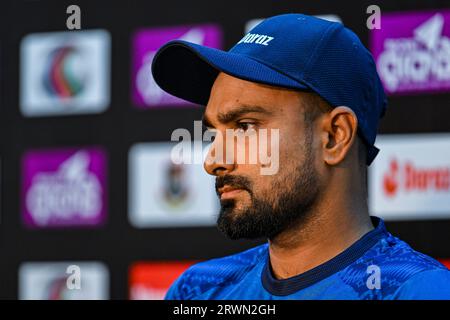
x=255, y=205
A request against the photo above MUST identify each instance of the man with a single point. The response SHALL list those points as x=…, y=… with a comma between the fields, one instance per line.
x=315, y=82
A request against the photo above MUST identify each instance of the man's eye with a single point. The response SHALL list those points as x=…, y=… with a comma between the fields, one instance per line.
x=246, y=125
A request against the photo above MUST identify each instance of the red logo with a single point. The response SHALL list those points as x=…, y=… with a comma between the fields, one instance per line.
x=152, y=280
x=390, y=180
x=445, y=262
x=409, y=178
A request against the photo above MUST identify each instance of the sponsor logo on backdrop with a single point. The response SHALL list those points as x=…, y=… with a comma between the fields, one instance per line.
x=410, y=178
x=412, y=52
x=52, y=281
x=145, y=92
x=407, y=177
x=167, y=193
x=445, y=262
x=61, y=79
x=62, y=188
x=152, y=280
x=254, y=22
x=65, y=73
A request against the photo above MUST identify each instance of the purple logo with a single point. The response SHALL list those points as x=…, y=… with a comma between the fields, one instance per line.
x=146, y=93
x=412, y=52
x=62, y=188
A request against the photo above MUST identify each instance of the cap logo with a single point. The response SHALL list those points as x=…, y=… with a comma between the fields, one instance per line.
x=261, y=39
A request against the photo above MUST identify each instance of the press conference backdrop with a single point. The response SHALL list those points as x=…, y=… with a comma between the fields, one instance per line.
x=87, y=185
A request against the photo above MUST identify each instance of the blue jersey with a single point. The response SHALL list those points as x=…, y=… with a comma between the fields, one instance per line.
x=377, y=266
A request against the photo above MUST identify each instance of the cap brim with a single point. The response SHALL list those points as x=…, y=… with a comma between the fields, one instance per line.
x=187, y=70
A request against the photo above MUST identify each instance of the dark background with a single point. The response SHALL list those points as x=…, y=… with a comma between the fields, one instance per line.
x=117, y=243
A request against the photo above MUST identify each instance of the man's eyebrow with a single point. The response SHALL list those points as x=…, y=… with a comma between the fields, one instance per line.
x=235, y=114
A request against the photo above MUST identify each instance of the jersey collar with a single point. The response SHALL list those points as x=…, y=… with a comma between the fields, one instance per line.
x=291, y=285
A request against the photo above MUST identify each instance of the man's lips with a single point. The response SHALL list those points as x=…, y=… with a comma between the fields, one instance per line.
x=228, y=192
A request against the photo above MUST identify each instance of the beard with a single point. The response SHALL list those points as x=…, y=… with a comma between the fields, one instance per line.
x=287, y=205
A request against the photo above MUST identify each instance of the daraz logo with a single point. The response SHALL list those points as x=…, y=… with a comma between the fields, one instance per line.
x=410, y=178
x=261, y=39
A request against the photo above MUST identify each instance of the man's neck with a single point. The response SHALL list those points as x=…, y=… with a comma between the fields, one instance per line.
x=316, y=241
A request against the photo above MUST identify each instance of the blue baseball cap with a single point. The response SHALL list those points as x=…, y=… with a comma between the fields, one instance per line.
x=293, y=51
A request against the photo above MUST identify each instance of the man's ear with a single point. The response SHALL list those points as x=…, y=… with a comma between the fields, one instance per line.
x=339, y=128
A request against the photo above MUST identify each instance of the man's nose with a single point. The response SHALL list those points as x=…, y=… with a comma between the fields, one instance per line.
x=220, y=160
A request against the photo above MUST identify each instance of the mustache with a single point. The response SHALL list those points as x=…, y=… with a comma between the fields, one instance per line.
x=239, y=182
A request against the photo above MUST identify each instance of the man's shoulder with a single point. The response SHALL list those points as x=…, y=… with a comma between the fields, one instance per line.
x=218, y=272
x=433, y=284
x=404, y=272
x=419, y=275
x=231, y=266
x=401, y=260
